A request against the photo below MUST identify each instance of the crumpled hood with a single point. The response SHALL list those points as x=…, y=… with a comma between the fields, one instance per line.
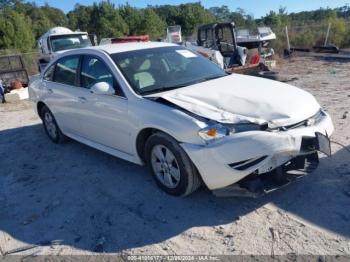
x=237, y=98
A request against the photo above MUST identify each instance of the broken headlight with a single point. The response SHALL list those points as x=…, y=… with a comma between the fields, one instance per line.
x=216, y=130
x=213, y=132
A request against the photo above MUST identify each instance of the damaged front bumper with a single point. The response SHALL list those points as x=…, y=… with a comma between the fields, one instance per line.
x=256, y=185
x=252, y=160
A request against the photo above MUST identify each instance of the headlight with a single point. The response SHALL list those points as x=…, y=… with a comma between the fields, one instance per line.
x=213, y=132
x=216, y=131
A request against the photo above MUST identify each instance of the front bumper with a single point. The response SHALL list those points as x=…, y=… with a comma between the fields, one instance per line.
x=256, y=185
x=233, y=158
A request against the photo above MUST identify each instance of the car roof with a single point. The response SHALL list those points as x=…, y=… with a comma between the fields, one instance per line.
x=132, y=46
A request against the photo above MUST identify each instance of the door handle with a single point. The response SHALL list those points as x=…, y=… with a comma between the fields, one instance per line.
x=50, y=91
x=82, y=99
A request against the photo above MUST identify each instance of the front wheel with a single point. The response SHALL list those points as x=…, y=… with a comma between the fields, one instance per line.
x=170, y=166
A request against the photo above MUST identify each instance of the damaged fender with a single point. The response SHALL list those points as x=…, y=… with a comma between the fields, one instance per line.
x=273, y=149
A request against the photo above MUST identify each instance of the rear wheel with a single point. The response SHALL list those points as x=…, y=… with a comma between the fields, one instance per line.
x=170, y=166
x=51, y=127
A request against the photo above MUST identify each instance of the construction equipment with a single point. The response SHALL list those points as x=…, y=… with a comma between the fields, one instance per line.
x=218, y=42
x=221, y=37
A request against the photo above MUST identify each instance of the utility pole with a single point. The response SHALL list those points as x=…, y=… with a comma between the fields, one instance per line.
x=287, y=37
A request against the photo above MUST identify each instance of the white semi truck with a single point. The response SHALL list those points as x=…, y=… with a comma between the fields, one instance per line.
x=59, y=39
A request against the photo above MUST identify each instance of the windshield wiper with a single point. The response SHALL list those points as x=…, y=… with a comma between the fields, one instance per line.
x=168, y=88
x=162, y=89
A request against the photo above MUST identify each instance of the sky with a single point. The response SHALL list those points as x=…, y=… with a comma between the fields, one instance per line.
x=256, y=7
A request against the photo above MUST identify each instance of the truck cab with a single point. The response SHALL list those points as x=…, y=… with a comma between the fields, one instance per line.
x=59, y=39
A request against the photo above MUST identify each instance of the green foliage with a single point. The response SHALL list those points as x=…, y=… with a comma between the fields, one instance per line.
x=143, y=21
x=222, y=13
x=339, y=31
x=80, y=18
x=151, y=24
x=22, y=23
x=105, y=21
x=15, y=31
x=192, y=15
x=132, y=17
x=169, y=13
x=303, y=40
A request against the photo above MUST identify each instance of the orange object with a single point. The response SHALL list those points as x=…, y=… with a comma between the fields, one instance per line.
x=203, y=54
x=212, y=132
x=127, y=39
x=16, y=85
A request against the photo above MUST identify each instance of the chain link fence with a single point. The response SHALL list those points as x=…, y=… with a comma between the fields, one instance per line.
x=308, y=36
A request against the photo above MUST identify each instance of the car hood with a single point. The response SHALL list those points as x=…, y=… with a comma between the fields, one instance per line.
x=239, y=98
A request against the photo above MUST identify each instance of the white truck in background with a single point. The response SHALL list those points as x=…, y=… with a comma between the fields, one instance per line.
x=59, y=39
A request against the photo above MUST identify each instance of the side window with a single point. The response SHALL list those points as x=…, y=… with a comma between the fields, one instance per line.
x=66, y=70
x=48, y=75
x=93, y=71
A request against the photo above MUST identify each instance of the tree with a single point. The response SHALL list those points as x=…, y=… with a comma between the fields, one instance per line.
x=339, y=32
x=15, y=31
x=169, y=13
x=192, y=15
x=132, y=17
x=151, y=24
x=80, y=18
x=106, y=21
x=54, y=15
x=222, y=14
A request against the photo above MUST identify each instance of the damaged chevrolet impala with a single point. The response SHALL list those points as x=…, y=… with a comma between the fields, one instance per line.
x=166, y=107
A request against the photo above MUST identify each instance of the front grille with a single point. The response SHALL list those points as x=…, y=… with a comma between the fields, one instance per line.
x=315, y=119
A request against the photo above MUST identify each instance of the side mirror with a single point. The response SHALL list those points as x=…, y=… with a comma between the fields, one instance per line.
x=102, y=88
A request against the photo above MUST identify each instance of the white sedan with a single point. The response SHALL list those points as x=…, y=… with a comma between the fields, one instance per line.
x=162, y=105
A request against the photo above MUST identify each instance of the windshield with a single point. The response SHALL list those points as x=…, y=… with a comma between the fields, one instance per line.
x=64, y=42
x=160, y=69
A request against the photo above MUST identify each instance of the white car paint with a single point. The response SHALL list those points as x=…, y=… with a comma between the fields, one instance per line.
x=113, y=123
x=237, y=97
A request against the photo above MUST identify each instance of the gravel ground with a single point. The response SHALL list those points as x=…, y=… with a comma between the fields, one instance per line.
x=71, y=199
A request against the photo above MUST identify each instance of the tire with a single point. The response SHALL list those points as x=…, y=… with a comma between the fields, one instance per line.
x=179, y=183
x=51, y=127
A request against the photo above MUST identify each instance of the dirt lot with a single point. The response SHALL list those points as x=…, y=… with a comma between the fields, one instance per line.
x=71, y=199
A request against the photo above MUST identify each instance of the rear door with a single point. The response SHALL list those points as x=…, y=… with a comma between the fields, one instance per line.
x=60, y=81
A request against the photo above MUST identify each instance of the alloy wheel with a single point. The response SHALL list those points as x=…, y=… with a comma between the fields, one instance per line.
x=165, y=166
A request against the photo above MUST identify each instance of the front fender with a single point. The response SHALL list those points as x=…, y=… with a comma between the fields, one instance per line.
x=147, y=114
